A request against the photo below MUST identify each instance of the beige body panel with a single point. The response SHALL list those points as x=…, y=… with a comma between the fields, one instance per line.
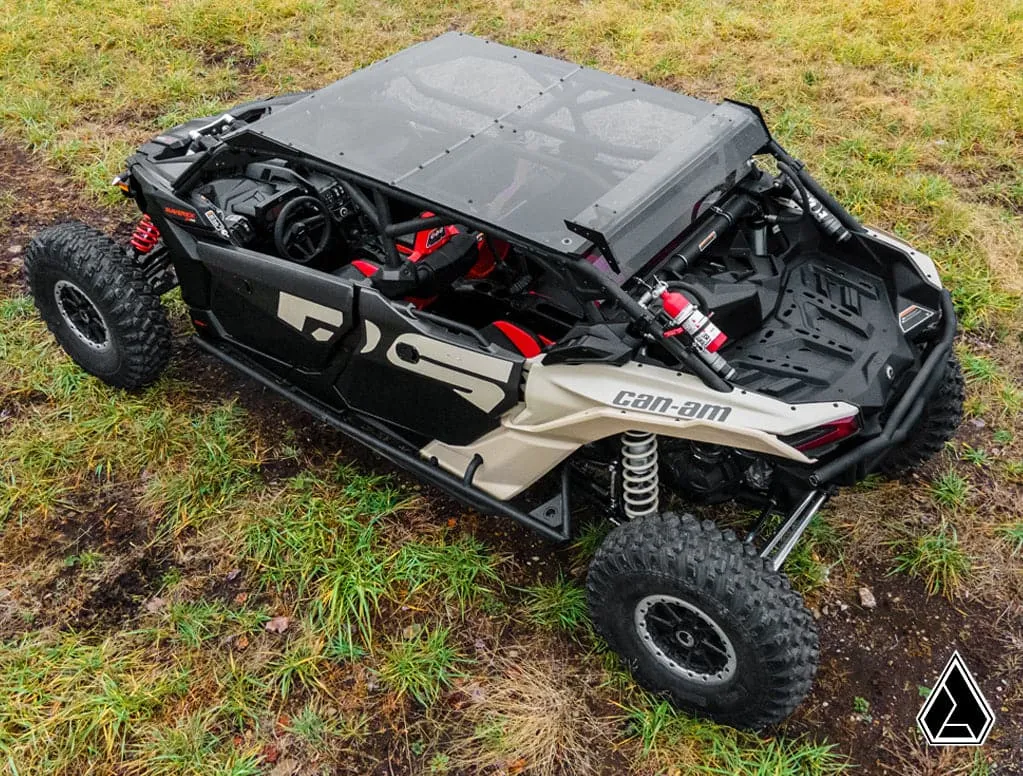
x=567, y=406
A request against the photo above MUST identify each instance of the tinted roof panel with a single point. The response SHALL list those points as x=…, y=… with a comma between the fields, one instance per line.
x=525, y=142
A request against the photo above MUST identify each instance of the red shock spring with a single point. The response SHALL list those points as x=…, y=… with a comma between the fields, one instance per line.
x=146, y=235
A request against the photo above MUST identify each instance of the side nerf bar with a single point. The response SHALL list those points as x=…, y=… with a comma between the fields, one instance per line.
x=906, y=412
x=458, y=487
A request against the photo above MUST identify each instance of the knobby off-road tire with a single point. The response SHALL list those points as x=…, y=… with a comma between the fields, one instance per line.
x=699, y=617
x=937, y=424
x=98, y=305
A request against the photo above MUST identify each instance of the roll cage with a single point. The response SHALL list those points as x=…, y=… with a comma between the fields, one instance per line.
x=617, y=203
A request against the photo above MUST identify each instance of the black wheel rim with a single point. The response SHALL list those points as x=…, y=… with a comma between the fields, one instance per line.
x=81, y=315
x=684, y=639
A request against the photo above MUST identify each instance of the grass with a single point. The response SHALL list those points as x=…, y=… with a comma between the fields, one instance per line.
x=938, y=559
x=677, y=741
x=532, y=715
x=323, y=534
x=951, y=489
x=811, y=561
x=66, y=700
x=1013, y=535
x=917, y=130
x=461, y=572
x=558, y=605
x=196, y=622
x=977, y=368
x=191, y=748
x=300, y=667
x=319, y=728
x=421, y=667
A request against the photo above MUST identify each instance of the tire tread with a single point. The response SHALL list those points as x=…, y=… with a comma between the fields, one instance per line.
x=719, y=564
x=135, y=315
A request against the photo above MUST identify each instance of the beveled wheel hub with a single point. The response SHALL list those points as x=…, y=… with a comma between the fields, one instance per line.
x=685, y=639
x=81, y=315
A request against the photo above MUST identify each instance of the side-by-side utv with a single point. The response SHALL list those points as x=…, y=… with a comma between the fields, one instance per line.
x=541, y=287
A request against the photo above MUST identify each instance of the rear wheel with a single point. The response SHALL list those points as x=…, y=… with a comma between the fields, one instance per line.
x=699, y=617
x=937, y=424
x=98, y=305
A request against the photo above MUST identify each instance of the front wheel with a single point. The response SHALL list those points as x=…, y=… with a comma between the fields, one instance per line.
x=699, y=617
x=98, y=305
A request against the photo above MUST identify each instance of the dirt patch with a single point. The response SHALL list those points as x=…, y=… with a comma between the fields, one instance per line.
x=885, y=656
x=35, y=196
x=95, y=561
x=89, y=564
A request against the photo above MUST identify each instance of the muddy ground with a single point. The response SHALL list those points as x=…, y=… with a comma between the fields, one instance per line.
x=883, y=655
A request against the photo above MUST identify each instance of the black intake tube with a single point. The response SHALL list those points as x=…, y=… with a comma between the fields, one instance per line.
x=722, y=217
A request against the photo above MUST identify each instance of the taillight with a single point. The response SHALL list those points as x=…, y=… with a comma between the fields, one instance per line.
x=827, y=434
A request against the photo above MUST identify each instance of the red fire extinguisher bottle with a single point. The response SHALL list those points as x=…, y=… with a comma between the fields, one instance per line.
x=707, y=338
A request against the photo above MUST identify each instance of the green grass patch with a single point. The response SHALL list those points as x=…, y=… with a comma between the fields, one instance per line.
x=421, y=667
x=559, y=605
x=320, y=729
x=1013, y=536
x=192, y=746
x=460, y=571
x=65, y=702
x=938, y=559
x=669, y=739
x=319, y=538
x=951, y=489
x=811, y=560
x=196, y=622
x=979, y=368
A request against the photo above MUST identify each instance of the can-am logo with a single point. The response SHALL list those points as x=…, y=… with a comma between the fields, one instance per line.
x=665, y=405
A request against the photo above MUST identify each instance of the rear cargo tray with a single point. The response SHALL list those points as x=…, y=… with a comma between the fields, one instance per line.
x=831, y=337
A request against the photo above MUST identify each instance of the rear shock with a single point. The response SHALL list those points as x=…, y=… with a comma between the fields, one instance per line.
x=151, y=256
x=640, y=476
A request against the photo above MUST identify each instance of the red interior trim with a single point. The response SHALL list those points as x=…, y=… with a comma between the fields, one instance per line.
x=520, y=338
x=365, y=267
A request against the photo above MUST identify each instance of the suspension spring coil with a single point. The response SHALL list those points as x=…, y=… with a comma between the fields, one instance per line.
x=640, y=481
x=146, y=235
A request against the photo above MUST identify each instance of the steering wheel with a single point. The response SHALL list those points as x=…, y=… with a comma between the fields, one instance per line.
x=302, y=230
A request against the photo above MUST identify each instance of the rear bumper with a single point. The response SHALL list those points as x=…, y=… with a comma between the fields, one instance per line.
x=865, y=458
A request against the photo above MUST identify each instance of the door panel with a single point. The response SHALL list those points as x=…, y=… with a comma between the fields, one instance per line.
x=435, y=382
x=275, y=307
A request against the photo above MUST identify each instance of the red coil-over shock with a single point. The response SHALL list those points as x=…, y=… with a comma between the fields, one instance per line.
x=146, y=235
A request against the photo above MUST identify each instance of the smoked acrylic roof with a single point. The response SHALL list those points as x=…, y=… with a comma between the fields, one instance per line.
x=525, y=142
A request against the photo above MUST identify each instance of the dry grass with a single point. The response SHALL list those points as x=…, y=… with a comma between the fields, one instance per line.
x=915, y=758
x=537, y=714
